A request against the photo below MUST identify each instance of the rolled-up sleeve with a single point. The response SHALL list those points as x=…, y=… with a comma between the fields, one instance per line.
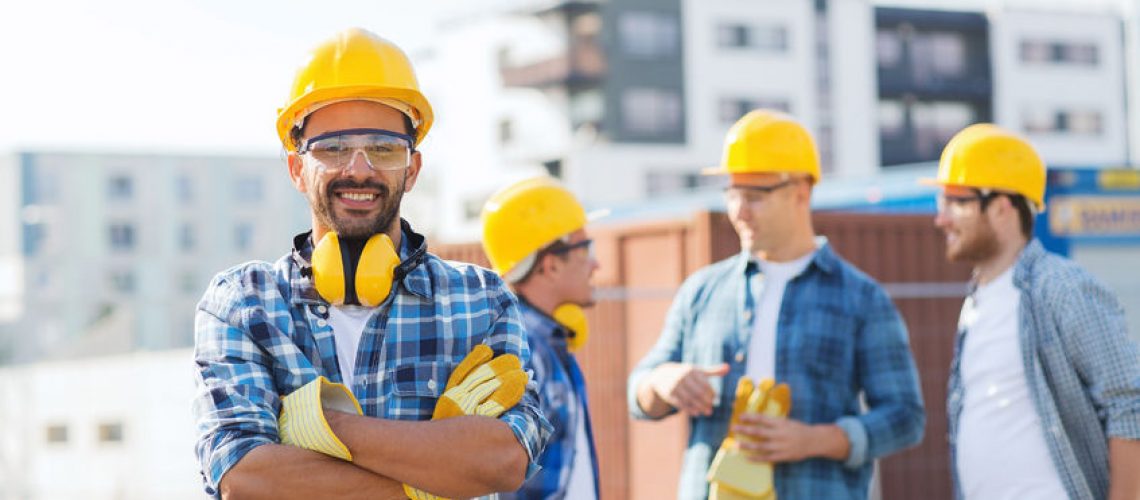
x=235, y=405
x=1092, y=322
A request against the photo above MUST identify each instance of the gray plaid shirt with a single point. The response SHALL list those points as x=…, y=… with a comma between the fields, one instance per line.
x=1082, y=369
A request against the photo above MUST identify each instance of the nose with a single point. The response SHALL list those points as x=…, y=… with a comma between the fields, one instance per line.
x=941, y=219
x=358, y=165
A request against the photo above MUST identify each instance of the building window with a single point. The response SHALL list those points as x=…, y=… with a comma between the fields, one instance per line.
x=122, y=237
x=911, y=132
x=732, y=36
x=184, y=189
x=553, y=167
x=110, y=433
x=122, y=281
x=248, y=189
x=187, y=239
x=732, y=108
x=649, y=34
x=1044, y=121
x=35, y=235
x=506, y=132
x=243, y=236
x=55, y=434
x=120, y=187
x=1059, y=52
x=651, y=112
x=768, y=37
x=673, y=182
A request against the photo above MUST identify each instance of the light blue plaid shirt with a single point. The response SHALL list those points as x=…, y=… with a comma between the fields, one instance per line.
x=838, y=336
x=1082, y=369
x=262, y=332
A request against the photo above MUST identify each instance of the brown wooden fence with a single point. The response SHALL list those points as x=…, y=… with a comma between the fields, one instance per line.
x=643, y=264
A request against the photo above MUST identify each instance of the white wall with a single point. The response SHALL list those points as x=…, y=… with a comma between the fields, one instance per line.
x=149, y=393
x=1021, y=88
x=712, y=72
x=854, y=88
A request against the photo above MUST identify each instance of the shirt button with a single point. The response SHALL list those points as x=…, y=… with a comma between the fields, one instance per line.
x=322, y=323
x=322, y=309
x=431, y=384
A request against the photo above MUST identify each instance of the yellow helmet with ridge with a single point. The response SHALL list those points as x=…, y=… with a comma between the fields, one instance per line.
x=768, y=142
x=986, y=156
x=354, y=64
x=525, y=217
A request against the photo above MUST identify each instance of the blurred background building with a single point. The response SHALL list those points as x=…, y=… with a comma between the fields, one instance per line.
x=104, y=255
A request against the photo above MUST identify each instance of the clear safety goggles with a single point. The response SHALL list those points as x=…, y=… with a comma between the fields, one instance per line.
x=382, y=149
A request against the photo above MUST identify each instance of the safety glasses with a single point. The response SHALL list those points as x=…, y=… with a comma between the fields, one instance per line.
x=565, y=248
x=752, y=196
x=383, y=150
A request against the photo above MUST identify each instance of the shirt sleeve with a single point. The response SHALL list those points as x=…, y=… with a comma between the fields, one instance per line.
x=508, y=337
x=235, y=405
x=896, y=417
x=1092, y=323
x=668, y=348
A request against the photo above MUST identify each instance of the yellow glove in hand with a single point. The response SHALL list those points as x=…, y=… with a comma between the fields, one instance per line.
x=302, y=421
x=732, y=475
x=481, y=386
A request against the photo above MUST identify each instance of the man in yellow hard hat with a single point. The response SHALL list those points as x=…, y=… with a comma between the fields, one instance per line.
x=534, y=234
x=1044, y=398
x=317, y=375
x=786, y=308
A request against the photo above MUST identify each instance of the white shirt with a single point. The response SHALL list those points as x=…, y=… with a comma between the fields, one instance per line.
x=581, y=482
x=348, y=324
x=1001, y=451
x=768, y=289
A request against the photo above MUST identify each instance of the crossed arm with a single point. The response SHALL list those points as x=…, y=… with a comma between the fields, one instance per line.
x=481, y=455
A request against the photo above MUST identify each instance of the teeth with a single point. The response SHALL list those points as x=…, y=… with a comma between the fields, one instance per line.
x=358, y=196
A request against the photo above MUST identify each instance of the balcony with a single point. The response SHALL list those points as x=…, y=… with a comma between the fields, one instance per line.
x=584, y=65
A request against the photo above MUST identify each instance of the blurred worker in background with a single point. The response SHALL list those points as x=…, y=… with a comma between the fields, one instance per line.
x=1044, y=398
x=534, y=234
x=786, y=308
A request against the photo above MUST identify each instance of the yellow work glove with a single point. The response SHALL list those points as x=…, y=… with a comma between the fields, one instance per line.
x=302, y=421
x=481, y=386
x=732, y=475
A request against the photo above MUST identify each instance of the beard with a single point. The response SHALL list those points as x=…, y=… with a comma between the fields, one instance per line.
x=979, y=245
x=358, y=227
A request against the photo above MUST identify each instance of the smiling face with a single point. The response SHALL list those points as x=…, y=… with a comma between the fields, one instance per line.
x=354, y=200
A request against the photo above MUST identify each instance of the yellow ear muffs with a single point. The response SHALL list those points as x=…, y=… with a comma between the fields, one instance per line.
x=374, y=272
x=353, y=270
x=328, y=271
x=573, y=318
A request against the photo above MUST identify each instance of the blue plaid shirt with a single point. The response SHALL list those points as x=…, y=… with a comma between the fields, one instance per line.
x=262, y=332
x=560, y=387
x=837, y=335
x=1082, y=369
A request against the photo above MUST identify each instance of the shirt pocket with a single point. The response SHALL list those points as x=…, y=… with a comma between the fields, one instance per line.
x=415, y=389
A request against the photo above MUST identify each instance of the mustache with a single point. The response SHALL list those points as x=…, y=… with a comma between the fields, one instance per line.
x=351, y=184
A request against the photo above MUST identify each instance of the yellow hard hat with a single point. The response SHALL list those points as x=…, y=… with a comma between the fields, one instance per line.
x=354, y=64
x=766, y=141
x=526, y=216
x=985, y=156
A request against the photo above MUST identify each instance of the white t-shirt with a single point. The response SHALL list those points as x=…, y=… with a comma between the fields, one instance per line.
x=768, y=289
x=348, y=324
x=1001, y=451
x=581, y=482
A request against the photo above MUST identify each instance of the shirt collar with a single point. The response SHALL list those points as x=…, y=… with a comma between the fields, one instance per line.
x=540, y=324
x=824, y=259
